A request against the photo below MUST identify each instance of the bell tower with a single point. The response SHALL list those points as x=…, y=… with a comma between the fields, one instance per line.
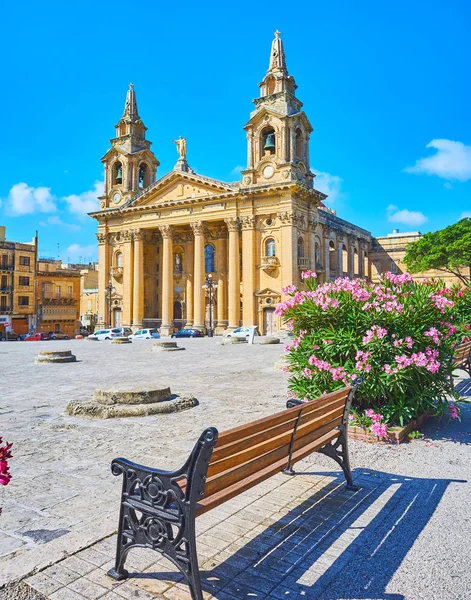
x=278, y=130
x=130, y=165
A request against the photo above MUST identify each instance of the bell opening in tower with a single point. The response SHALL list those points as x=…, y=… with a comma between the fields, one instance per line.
x=143, y=176
x=118, y=173
x=268, y=141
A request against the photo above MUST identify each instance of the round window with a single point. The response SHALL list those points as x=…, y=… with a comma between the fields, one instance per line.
x=269, y=222
x=268, y=300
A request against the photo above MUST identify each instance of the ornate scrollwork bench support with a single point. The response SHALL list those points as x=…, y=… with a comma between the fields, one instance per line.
x=156, y=513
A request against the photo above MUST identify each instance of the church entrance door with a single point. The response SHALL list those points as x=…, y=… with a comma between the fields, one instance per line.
x=269, y=321
x=118, y=317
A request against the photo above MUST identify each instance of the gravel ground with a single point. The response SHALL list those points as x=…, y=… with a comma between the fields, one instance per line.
x=20, y=592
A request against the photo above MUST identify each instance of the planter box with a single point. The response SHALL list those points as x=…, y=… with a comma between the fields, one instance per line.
x=396, y=435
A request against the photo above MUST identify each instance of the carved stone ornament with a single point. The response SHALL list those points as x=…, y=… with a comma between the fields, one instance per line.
x=286, y=173
x=166, y=231
x=247, y=180
x=221, y=233
x=248, y=222
x=198, y=227
x=286, y=217
x=102, y=238
x=138, y=235
x=232, y=223
x=126, y=235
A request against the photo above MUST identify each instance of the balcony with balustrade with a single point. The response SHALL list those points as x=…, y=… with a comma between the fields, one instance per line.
x=270, y=263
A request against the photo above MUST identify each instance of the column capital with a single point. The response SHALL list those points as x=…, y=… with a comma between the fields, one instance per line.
x=247, y=222
x=166, y=231
x=138, y=235
x=233, y=223
x=198, y=227
x=102, y=238
x=126, y=235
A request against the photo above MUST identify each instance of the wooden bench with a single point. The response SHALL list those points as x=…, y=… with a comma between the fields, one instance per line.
x=462, y=357
x=158, y=508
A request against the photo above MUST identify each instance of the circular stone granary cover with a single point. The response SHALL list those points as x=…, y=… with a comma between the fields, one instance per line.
x=114, y=402
x=56, y=356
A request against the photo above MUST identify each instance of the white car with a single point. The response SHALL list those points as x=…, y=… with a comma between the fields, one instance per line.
x=106, y=334
x=145, y=334
x=243, y=332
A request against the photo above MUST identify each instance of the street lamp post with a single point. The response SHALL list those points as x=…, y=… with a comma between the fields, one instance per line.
x=209, y=285
x=110, y=289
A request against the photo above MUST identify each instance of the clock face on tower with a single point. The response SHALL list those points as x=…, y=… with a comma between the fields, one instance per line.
x=268, y=171
x=117, y=197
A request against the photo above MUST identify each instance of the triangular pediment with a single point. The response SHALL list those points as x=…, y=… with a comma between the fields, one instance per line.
x=179, y=186
x=265, y=113
x=267, y=293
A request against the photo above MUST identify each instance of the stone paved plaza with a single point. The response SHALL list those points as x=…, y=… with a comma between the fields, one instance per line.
x=403, y=535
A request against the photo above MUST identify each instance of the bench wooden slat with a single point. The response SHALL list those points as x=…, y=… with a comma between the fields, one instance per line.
x=252, y=449
x=247, y=469
x=234, y=434
x=234, y=490
x=309, y=413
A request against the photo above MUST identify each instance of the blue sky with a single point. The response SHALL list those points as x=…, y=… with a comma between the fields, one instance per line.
x=386, y=87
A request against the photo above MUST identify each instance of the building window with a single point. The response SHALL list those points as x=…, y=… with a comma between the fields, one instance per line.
x=57, y=327
x=89, y=305
x=119, y=259
x=24, y=261
x=270, y=247
x=24, y=281
x=209, y=258
x=299, y=145
x=394, y=268
x=48, y=287
x=300, y=247
x=58, y=290
x=23, y=300
x=69, y=289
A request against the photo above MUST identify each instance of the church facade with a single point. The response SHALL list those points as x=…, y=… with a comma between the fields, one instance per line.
x=161, y=238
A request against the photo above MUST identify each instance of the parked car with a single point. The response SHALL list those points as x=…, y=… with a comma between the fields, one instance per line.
x=242, y=332
x=188, y=333
x=37, y=337
x=12, y=336
x=106, y=334
x=145, y=334
x=58, y=335
x=125, y=331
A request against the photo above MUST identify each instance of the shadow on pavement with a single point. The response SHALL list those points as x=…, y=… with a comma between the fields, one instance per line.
x=334, y=545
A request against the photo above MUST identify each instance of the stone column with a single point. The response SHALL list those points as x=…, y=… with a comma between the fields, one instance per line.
x=327, y=259
x=287, y=252
x=198, y=276
x=248, y=270
x=340, y=259
x=234, y=274
x=221, y=261
x=138, y=286
x=127, y=278
x=249, y=149
x=351, y=259
x=103, y=277
x=167, y=280
x=189, y=279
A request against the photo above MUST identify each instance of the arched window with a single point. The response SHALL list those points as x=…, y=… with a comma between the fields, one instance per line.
x=270, y=247
x=119, y=259
x=209, y=258
x=318, y=255
x=299, y=145
x=271, y=83
x=332, y=260
x=267, y=141
x=300, y=247
x=118, y=173
x=142, y=176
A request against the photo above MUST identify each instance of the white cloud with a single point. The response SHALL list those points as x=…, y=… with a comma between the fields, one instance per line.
x=405, y=216
x=58, y=221
x=236, y=170
x=447, y=185
x=330, y=185
x=24, y=199
x=75, y=251
x=451, y=161
x=81, y=204
x=466, y=215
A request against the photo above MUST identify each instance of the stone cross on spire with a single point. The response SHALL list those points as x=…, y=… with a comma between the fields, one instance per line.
x=130, y=107
x=277, y=56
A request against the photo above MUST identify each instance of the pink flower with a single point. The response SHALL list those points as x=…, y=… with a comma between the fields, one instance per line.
x=454, y=412
x=308, y=275
x=380, y=431
x=289, y=289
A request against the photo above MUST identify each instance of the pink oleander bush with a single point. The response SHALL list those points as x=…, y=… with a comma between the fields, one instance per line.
x=5, y=454
x=399, y=335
